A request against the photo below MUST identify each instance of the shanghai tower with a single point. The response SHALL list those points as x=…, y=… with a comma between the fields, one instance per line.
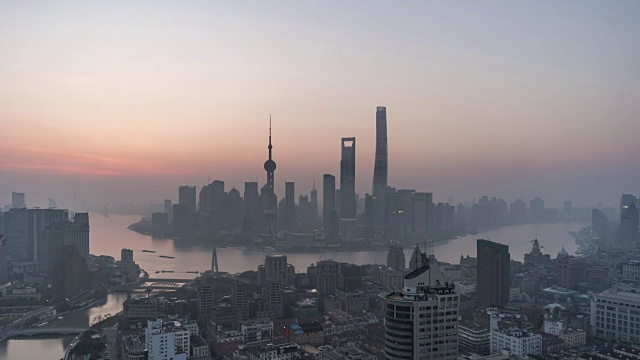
x=379, y=174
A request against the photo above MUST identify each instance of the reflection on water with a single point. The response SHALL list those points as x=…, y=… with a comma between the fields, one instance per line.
x=84, y=317
x=110, y=235
x=41, y=348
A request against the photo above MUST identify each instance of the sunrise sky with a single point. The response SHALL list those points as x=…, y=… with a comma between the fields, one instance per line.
x=123, y=101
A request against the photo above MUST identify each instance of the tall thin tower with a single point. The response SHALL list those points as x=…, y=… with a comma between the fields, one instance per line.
x=214, y=261
x=380, y=171
x=348, y=211
x=269, y=197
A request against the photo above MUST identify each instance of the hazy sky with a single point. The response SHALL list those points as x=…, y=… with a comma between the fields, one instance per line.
x=125, y=100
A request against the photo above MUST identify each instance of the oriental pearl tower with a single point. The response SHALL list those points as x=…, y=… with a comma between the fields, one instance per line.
x=268, y=195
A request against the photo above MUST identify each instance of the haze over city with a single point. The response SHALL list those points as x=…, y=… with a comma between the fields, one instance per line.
x=124, y=103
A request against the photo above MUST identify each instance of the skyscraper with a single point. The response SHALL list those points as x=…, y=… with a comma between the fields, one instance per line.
x=18, y=200
x=77, y=233
x=421, y=320
x=4, y=260
x=348, y=179
x=16, y=228
x=422, y=209
x=395, y=257
x=270, y=202
x=187, y=198
x=493, y=279
x=252, y=210
x=629, y=227
x=348, y=211
x=168, y=209
x=290, y=220
x=380, y=170
x=275, y=268
x=37, y=220
x=328, y=200
x=626, y=200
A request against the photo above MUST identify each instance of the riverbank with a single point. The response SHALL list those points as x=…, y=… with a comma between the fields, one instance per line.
x=144, y=227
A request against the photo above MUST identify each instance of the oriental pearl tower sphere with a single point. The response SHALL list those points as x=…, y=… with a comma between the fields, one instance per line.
x=269, y=226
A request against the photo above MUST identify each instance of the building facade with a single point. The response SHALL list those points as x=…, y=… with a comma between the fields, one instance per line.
x=421, y=321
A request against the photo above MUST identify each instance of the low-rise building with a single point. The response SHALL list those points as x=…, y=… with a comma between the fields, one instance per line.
x=256, y=332
x=286, y=351
x=615, y=313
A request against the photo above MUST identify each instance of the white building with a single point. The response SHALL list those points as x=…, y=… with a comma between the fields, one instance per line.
x=421, y=320
x=615, y=313
x=631, y=269
x=166, y=340
x=518, y=342
x=573, y=338
x=256, y=332
x=465, y=287
x=513, y=340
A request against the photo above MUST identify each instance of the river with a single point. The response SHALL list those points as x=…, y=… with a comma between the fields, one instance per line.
x=110, y=234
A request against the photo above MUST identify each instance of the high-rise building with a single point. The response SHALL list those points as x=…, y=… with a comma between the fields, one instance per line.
x=165, y=341
x=70, y=274
x=37, y=220
x=205, y=302
x=395, y=257
x=54, y=240
x=270, y=201
x=328, y=201
x=599, y=222
x=314, y=205
x=168, y=209
x=626, y=200
x=411, y=316
x=77, y=233
x=187, y=198
x=275, y=268
x=239, y=298
x=422, y=209
x=290, y=220
x=328, y=272
x=252, y=210
x=571, y=270
x=272, y=295
x=18, y=200
x=380, y=173
x=629, y=226
x=16, y=224
x=348, y=179
x=536, y=210
x=126, y=259
x=493, y=278
x=568, y=209
x=4, y=260
x=416, y=258
x=518, y=212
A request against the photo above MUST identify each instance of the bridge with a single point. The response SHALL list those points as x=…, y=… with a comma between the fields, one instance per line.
x=44, y=331
x=183, y=281
x=153, y=284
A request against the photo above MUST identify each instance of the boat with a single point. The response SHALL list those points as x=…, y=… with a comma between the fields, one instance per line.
x=167, y=257
x=269, y=249
x=158, y=272
x=167, y=271
x=193, y=272
x=149, y=251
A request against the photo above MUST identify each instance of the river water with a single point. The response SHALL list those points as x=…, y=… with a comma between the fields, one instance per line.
x=110, y=234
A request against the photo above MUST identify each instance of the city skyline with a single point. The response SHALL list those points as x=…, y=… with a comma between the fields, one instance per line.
x=499, y=103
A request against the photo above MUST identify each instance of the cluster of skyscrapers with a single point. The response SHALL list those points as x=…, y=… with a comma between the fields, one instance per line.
x=46, y=242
